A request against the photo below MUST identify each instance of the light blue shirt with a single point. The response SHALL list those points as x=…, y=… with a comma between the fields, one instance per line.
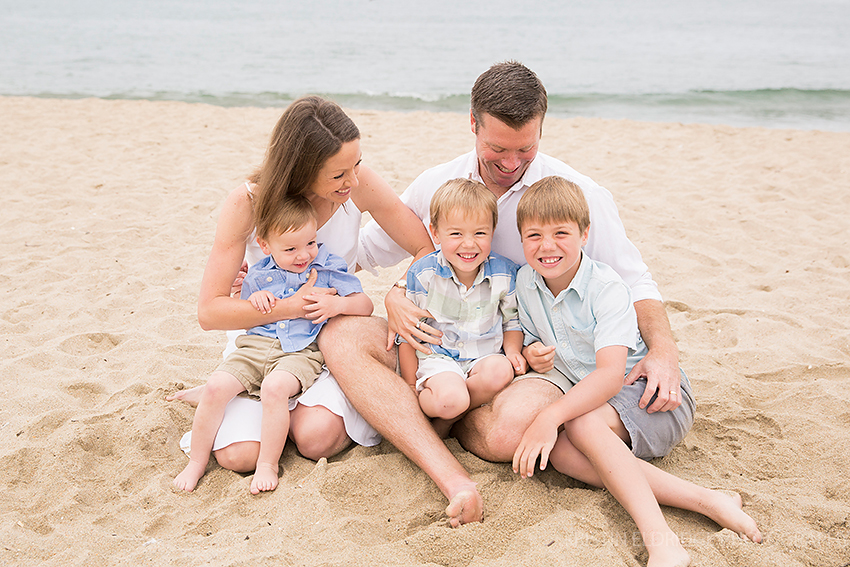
x=473, y=320
x=594, y=312
x=297, y=334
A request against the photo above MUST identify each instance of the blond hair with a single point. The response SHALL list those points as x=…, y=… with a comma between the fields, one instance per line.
x=464, y=195
x=292, y=214
x=553, y=199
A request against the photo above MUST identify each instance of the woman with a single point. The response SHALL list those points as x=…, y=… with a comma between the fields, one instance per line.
x=314, y=152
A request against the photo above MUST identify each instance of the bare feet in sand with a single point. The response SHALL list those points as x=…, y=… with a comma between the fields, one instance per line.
x=465, y=506
x=191, y=396
x=188, y=479
x=727, y=510
x=265, y=478
x=665, y=550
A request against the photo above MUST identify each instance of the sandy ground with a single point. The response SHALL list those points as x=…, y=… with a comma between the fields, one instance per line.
x=108, y=214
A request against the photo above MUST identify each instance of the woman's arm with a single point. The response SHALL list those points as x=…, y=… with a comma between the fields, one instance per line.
x=216, y=308
x=406, y=229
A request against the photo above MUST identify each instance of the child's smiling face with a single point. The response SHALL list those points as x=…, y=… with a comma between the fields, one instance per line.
x=293, y=250
x=465, y=240
x=553, y=250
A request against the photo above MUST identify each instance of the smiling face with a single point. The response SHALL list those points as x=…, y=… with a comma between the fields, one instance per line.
x=338, y=176
x=465, y=241
x=504, y=154
x=292, y=250
x=553, y=249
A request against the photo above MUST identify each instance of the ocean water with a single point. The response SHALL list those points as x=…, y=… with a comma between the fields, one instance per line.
x=771, y=63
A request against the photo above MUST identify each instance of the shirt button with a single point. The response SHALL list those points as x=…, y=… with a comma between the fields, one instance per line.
x=268, y=279
x=290, y=290
x=564, y=345
x=282, y=324
x=460, y=344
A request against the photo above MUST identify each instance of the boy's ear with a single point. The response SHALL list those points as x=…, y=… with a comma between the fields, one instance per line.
x=264, y=246
x=585, y=235
x=434, y=234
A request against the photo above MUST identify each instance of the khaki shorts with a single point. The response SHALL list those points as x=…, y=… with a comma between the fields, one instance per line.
x=257, y=356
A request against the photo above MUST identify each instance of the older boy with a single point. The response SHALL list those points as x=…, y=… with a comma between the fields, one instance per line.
x=581, y=332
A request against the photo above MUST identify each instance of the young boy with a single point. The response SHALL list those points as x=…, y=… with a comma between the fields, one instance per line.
x=281, y=360
x=581, y=334
x=470, y=294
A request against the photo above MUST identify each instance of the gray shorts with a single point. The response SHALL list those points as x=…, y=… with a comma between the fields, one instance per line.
x=652, y=434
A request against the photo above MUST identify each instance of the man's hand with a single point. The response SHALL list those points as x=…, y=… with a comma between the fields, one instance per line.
x=405, y=319
x=661, y=370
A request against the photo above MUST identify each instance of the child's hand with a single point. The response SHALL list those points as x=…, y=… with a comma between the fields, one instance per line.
x=540, y=358
x=537, y=441
x=518, y=363
x=322, y=307
x=263, y=301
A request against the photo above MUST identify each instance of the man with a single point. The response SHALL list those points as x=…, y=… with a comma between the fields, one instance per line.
x=508, y=106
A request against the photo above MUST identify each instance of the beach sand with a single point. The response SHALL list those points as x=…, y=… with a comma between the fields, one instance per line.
x=108, y=214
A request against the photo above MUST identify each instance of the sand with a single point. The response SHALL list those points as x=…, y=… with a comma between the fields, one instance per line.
x=108, y=214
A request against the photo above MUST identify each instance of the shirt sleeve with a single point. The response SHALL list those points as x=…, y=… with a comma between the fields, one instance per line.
x=338, y=277
x=616, y=320
x=529, y=329
x=376, y=248
x=609, y=244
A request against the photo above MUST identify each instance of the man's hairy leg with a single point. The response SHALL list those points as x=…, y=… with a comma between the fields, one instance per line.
x=493, y=431
x=355, y=353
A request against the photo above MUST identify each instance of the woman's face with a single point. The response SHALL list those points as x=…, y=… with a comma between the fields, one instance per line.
x=338, y=177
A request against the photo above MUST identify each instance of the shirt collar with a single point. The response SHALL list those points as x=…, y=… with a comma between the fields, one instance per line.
x=445, y=270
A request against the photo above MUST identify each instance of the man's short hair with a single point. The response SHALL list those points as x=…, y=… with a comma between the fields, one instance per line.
x=464, y=195
x=553, y=200
x=511, y=92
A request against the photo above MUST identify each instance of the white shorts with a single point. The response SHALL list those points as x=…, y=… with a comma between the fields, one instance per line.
x=436, y=363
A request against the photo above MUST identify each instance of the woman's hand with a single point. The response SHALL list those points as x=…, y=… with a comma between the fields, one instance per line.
x=540, y=358
x=405, y=319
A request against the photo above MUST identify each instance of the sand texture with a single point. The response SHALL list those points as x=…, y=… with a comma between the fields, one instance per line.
x=108, y=214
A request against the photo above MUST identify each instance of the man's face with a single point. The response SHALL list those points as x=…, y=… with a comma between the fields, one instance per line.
x=504, y=153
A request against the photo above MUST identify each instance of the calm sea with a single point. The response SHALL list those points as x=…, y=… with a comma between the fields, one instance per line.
x=773, y=63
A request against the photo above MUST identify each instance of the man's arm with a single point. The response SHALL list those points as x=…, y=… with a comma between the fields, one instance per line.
x=660, y=366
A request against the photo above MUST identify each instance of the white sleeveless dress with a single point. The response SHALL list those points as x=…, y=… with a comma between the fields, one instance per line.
x=243, y=416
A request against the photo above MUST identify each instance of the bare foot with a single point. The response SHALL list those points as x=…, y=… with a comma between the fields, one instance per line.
x=727, y=511
x=188, y=479
x=191, y=396
x=665, y=550
x=265, y=478
x=465, y=506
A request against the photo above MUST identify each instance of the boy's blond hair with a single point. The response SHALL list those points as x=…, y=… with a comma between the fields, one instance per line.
x=466, y=196
x=551, y=200
x=292, y=214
